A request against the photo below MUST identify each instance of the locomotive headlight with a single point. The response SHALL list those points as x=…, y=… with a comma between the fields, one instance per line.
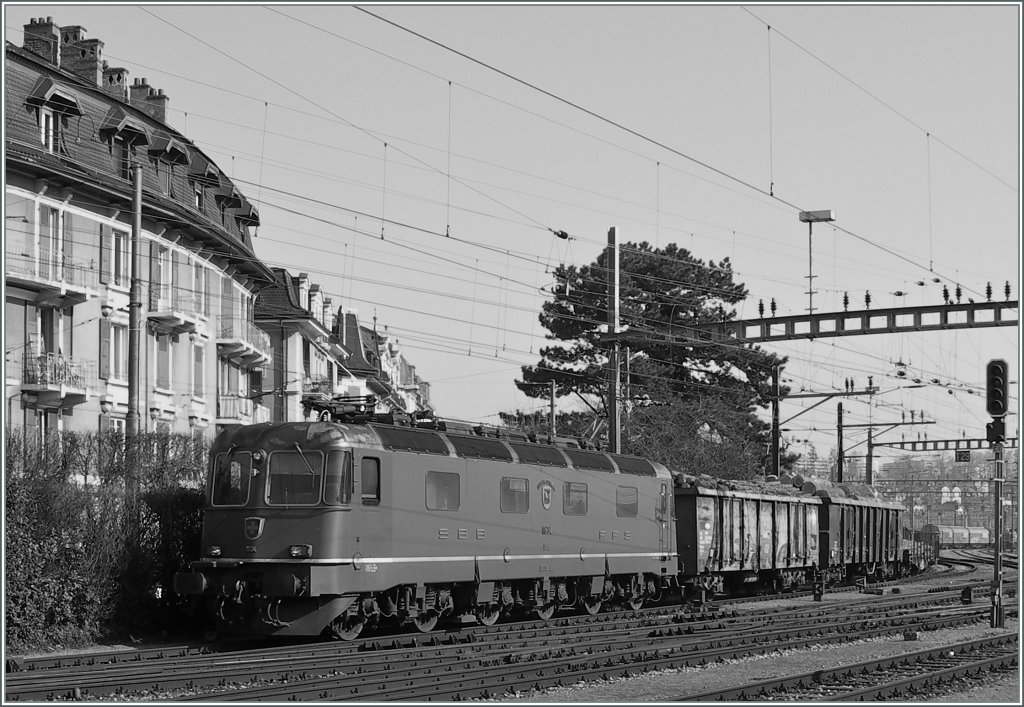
x=213, y=550
x=300, y=551
x=258, y=456
x=707, y=526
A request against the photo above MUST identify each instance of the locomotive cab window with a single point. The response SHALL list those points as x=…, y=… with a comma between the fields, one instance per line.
x=369, y=481
x=574, y=499
x=294, y=477
x=443, y=493
x=627, y=501
x=231, y=479
x=338, y=480
x=515, y=495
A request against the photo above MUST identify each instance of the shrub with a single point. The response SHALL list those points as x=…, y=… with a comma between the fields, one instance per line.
x=90, y=533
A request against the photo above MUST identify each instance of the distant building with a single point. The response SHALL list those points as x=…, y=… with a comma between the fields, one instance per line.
x=322, y=354
x=73, y=129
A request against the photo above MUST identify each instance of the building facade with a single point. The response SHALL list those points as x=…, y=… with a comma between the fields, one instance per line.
x=75, y=130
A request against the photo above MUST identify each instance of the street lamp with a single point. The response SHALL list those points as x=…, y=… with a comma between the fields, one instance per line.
x=810, y=217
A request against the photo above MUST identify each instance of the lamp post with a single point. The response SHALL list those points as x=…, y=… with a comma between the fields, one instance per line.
x=810, y=217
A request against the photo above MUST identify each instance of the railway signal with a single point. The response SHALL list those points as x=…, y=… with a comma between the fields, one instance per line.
x=997, y=394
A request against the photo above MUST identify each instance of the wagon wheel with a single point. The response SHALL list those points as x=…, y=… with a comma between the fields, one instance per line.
x=544, y=613
x=592, y=604
x=488, y=614
x=425, y=622
x=346, y=628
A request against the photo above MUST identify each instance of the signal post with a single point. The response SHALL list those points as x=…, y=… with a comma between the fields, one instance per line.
x=996, y=401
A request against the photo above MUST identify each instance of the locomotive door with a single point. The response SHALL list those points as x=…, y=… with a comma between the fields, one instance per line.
x=662, y=515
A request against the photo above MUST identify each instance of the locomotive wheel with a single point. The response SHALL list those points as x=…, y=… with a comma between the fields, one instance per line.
x=592, y=604
x=347, y=628
x=425, y=622
x=488, y=615
x=544, y=613
x=635, y=603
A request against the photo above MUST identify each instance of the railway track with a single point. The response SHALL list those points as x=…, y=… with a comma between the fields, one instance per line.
x=484, y=661
x=895, y=677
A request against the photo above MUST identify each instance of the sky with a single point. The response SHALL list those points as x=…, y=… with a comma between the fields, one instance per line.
x=418, y=174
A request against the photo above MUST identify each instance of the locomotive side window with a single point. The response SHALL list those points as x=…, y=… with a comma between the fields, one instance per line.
x=231, y=479
x=294, y=477
x=627, y=501
x=443, y=492
x=338, y=481
x=369, y=481
x=574, y=499
x=515, y=495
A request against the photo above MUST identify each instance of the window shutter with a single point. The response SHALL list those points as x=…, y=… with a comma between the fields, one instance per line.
x=105, y=248
x=104, y=349
x=178, y=261
x=154, y=275
x=69, y=242
x=208, y=274
x=45, y=246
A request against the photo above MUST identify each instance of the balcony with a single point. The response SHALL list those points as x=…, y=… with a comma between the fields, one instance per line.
x=260, y=413
x=57, y=380
x=243, y=342
x=234, y=410
x=56, y=277
x=176, y=311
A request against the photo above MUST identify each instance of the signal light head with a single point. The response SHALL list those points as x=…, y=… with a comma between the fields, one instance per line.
x=997, y=388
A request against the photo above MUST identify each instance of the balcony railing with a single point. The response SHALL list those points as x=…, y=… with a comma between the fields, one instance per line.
x=51, y=267
x=260, y=413
x=233, y=407
x=54, y=371
x=176, y=310
x=244, y=340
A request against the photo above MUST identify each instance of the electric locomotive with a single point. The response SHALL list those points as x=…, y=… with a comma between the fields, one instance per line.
x=328, y=527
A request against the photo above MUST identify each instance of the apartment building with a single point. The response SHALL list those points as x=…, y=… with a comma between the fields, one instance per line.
x=75, y=129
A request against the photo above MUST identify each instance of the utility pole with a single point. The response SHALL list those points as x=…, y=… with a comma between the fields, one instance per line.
x=868, y=466
x=551, y=413
x=839, y=435
x=135, y=309
x=775, y=420
x=612, y=264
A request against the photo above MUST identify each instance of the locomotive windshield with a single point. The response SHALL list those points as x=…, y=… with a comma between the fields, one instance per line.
x=231, y=479
x=294, y=477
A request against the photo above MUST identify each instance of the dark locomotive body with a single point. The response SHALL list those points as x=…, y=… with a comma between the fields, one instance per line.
x=326, y=527
x=314, y=525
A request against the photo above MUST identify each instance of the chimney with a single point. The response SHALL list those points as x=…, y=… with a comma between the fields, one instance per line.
x=149, y=100
x=42, y=37
x=82, y=57
x=115, y=82
x=328, y=315
x=156, y=105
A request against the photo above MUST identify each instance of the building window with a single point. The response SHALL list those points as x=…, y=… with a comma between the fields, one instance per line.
x=121, y=151
x=163, y=361
x=49, y=129
x=515, y=495
x=165, y=173
x=197, y=194
x=118, y=352
x=574, y=499
x=198, y=370
x=199, y=280
x=122, y=258
x=443, y=492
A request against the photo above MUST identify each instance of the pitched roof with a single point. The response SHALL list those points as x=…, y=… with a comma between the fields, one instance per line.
x=280, y=300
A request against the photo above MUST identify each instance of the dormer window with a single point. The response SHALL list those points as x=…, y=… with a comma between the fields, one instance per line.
x=168, y=153
x=203, y=175
x=124, y=133
x=49, y=129
x=53, y=103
